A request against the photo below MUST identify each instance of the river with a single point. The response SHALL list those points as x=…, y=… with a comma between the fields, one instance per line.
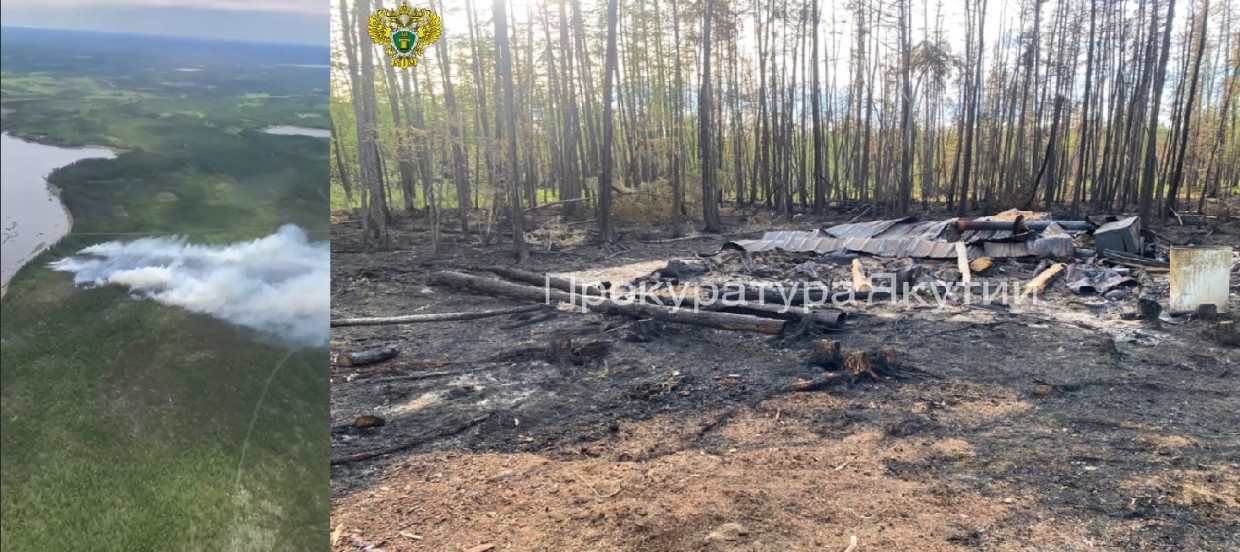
x=33, y=216
x=290, y=130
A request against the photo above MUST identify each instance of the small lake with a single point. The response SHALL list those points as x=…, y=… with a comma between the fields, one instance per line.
x=33, y=216
x=290, y=130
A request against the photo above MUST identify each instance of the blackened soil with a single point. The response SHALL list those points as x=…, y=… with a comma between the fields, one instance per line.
x=1135, y=450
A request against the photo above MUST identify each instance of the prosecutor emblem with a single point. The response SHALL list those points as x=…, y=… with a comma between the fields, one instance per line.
x=404, y=33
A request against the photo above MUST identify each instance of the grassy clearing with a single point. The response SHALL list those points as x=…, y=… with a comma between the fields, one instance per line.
x=446, y=198
x=125, y=421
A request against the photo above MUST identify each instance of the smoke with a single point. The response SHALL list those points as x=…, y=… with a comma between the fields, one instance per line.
x=278, y=285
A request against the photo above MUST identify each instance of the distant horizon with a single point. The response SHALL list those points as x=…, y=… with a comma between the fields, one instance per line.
x=230, y=40
x=298, y=27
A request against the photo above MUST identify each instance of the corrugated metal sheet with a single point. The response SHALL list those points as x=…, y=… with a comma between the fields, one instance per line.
x=783, y=240
x=816, y=242
x=978, y=236
x=905, y=247
x=906, y=227
x=935, y=230
x=864, y=229
x=916, y=240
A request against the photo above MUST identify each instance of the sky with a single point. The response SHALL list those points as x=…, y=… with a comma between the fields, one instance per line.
x=1002, y=22
x=287, y=21
x=1001, y=16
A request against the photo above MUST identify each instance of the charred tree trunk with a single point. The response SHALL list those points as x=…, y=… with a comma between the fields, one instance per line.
x=606, y=230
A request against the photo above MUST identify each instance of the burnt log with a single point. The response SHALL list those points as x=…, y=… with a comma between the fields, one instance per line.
x=436, y=317
x=541, y=280
x=369, y=356
x=818, y=382
x=717, y=320
x=771, y=305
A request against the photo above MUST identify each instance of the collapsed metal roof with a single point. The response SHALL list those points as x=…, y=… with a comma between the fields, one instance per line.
x=905, y=237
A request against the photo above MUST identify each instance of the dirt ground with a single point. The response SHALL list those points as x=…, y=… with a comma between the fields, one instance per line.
x=1030, y=434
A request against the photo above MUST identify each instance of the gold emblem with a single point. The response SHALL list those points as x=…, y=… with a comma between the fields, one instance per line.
x=404, y=32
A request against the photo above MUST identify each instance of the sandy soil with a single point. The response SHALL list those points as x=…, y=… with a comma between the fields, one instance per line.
x=1031, y=434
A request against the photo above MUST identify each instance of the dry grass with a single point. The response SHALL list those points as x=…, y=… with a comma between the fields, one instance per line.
x=1210, y=488
x=555, y=232
x=652, y=202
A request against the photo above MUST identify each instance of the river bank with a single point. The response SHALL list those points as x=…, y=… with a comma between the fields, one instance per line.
x=34, y=217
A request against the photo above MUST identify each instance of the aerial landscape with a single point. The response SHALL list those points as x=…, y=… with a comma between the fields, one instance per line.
x=665, y=275
x=165, y=273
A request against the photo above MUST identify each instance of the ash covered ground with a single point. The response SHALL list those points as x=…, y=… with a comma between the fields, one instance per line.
x=1059, y=426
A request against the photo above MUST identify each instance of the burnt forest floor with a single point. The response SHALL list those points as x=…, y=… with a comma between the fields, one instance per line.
x=1031, y=435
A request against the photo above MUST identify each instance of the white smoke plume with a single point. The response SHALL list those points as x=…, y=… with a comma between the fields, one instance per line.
x=279, y=285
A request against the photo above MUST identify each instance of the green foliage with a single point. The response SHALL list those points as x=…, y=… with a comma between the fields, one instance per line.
x=125, y=420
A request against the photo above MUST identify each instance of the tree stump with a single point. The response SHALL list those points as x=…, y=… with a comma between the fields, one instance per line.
x=1226, y=333
x=857, y=365
x=826, y=354
x=886, y=360
x=560, y=351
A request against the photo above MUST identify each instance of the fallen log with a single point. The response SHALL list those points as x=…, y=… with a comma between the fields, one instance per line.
x=369, y=356
x=717, y=320
x=530, y=322
x=541, y=280
x=817, y=383
x=782, y=309
x=408, y=445
x=436, y=317
x=826, y=318
x=861, y=284
x=553, y=203
x=799, y=293
x=1038, y=285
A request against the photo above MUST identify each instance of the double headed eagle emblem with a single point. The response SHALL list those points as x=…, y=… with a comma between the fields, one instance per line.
x=404, y=33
